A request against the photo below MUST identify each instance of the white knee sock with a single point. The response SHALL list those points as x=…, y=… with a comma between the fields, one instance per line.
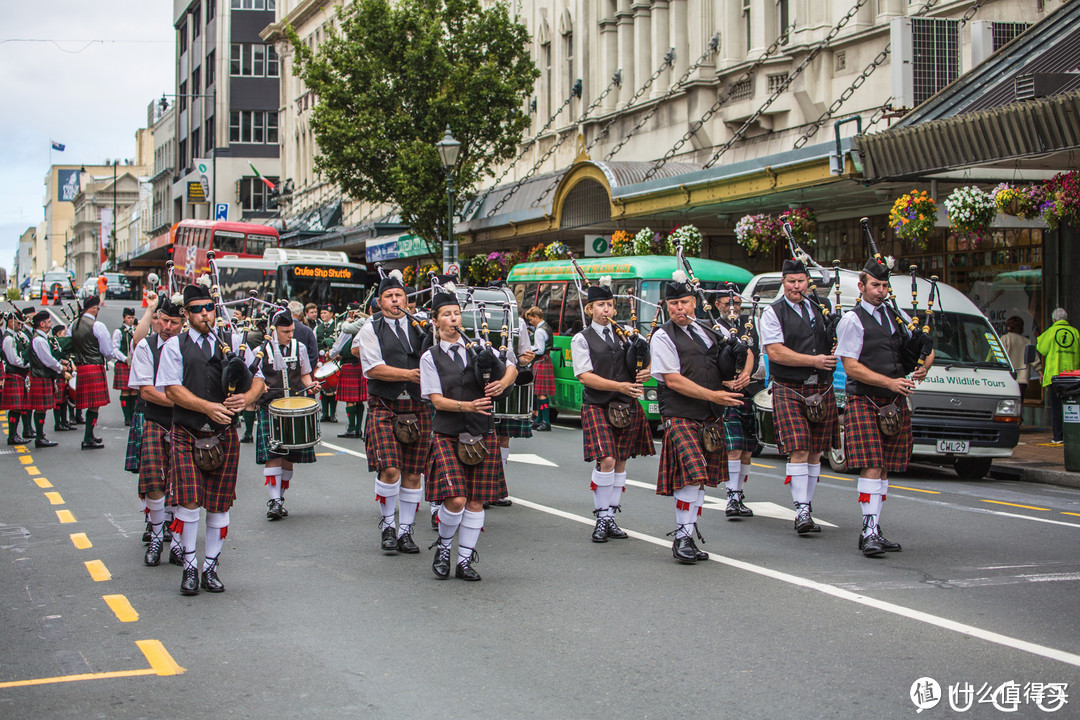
x=448, y=525
x=813, y=472
x=504, y=454
x=744, y=473
x=217, y=527
x=286, y=478
x=699, y=503
x=734, y=481
x=273, y=481
x=601, y=491
x=157, y=516
x=797, y=473
x=685, y=510
x=469, y=534
x=408, y=503
x=870, y=503
x=884, y=494
x=386, y=496
x=615, y=494
x=189, y=535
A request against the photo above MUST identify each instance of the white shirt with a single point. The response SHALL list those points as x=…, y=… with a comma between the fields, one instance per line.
x=287, y=354
x=665, y=357
x=40, y=344
x=540, y=338
x=579, y=347
x=142, y=366
x=105, y=343
x=430, y=382
x=769, y=328
x=171, y=364
x=370, y=350
x=339, y=344
x=849, y=333
x=10, y=355
x=116, y=335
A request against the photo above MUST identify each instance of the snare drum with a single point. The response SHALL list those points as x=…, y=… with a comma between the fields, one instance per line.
x=517, y=405
x=763, y=411
x=327, y=374
x=294, y=423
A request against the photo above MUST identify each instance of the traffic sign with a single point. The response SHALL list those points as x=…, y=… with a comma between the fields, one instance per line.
x=453, y=269
x=597, y=246
x=221, y=211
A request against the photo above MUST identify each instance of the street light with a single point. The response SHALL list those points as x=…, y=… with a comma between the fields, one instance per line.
x=449, y=149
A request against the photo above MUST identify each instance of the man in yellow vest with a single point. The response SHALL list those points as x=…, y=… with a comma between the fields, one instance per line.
x=1059, y=346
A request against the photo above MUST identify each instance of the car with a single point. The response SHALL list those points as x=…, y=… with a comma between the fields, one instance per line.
x=88, y=288
x=118, y=286
x=56, y=282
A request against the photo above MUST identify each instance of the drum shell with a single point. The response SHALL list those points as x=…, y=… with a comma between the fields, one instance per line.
x=294, y=423
x=763, y=412
x=517, y=405
x=328, y=374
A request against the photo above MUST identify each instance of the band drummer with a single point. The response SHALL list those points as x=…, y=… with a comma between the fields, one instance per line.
x=869, y=341
x=462, y=425
x=285, y=360
x=740, y=437
x=612, y=421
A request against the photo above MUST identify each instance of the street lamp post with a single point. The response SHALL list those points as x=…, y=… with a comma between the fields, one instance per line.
x=449, y=148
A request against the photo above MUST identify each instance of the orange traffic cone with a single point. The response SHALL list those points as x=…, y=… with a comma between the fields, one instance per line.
x=44, y=297
x=144, y=303
x=56, y=295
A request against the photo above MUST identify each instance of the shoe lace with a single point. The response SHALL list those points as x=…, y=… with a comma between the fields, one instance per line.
x=189, y=561
x=211, y=564
x=155, y=545
x=404, y=530
x=681, y=531
x=472, y=557
x=440, y=547
x=610, y=522
x=869, y=522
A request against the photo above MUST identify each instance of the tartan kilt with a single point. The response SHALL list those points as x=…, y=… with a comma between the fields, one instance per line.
x=793, y=431
x=42, y=395
x=601, y=439
x=739, y=427
x=543, y=377
x=262, y=443
x=383, y=449
x=214, y=491
x=352, y=385
x=121, y=372
x=865, y=446
x=133, y=454
x=91, y=387
x=513, y=427
x=60, y=393
x=449, y=477
x=683, y=460
x=15, y=396
x=154, y=459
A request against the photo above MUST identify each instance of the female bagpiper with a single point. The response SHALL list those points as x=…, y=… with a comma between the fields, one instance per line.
x=612, y=421
x=462, y=427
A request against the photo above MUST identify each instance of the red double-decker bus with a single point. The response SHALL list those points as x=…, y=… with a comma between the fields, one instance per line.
x=190, y=239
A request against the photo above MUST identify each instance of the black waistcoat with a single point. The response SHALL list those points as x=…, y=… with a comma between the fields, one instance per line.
x=549, y=344
x=608, y=363
x=203, y=378
x=880, y=353
x=697, y=365
x=84, y=344
x=458, y=384
x=39, y=369
x=161, y=414
x=272, y=377
x=395, y=355
x=801, y=338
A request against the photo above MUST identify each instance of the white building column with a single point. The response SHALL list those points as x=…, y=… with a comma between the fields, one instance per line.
x=645, y=56
x=625, y=19
x=660, y=39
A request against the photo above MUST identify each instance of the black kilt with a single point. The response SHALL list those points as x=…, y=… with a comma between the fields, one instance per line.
x=15, y=396
x=133, y=454
x=601, y=439
x=91, y=387
x=262, y=443
x=683, y=460
x=352, y=385
x=42, y=395
x=449, y=477
x=865, y=446
x=793, y=431
x=214, y=491
x=154, y=461
x=121, y=373
x=383, y=449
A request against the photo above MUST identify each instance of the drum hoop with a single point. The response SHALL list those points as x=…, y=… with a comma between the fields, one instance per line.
x=322, y=373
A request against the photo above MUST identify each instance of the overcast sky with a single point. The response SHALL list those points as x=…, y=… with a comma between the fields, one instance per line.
x=92, y=98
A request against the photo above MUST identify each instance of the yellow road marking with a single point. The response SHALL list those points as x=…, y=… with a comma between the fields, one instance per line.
x=837, y=477
x=161, y=663
x=764, y=466
x=20, y=448
x=81, y=541
x=54, y=498
x=65, y=516
x=1026, y=507
x=1069, y=513
x=98, y=571
x=903, y=487
x=32, y=470
x=121, y=608
x=26, y=460
x=42, y=482
x=324, y=454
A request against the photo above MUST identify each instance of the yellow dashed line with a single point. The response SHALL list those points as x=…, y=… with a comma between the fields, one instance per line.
x=1069, y=513
x=902, y=487
x=80, y=541
x=1026, y=507
x=161, y=663
x=54, y=498
x=121, y=608
x=98, y=571
x=764, y=466
x=26, y=460
x=32, y=470
x=65, y=516
x=42, y=482
x=324, y=454
x=159, y=658
x=20, y=448
x=837, y=477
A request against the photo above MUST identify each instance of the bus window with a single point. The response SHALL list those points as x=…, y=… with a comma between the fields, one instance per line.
x=622, y=304
x=525, y=294
x=256, y=244
x=571, y=321
x=651, y=291
x=229, y=242
x=549, y=299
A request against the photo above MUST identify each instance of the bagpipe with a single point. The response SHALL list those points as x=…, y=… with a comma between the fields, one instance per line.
x=830, y=316
x=733, y=349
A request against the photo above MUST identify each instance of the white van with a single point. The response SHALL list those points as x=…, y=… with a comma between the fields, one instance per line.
x=967, y=412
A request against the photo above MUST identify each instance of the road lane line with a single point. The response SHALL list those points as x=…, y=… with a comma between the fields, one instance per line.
x=65, y=516
x=771, y=467
x=845, y=479
x=98, y=571
x=1026, y=507
x=159, y=658
x=54, y=498
x=42, y=482
x=161, y=664
x=1029, y=517
x=80, y=541
x=121, y=608
x=764, y=508
x=902, y=487
x=1069, y=513
x=893, y=608
x=26, y=460
x=343, y=449
x=32, y=470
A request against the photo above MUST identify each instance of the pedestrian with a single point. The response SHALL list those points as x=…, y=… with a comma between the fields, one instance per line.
x=311, y=315
x=45, y=369
x=352, y=386
x=543, y=372
x=1059, y=346
x=685, y=363
x=877, y=421
x=15, y=397
x=399, y=423
x=801, y=364
x=1016, y=346
x=612, y=421
x=91, y=348
x=204, y=449
x=465, y=465
x=122, y=338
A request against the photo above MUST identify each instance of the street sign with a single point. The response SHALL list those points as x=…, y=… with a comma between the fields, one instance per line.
x=221, y=211
x=453, y=269
x=597, y=246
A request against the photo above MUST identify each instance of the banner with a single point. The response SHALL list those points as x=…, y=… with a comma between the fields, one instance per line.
x=106, y=215
x=67, y=185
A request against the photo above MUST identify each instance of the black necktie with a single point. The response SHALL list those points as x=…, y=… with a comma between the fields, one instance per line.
x=207, y=348
x=882, y=319
x=806, y=314
x=402, y=335
x=458, y=359
x=608, y=338
x=697, y=338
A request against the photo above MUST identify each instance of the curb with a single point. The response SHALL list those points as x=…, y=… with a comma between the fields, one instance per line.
x=1063, y=478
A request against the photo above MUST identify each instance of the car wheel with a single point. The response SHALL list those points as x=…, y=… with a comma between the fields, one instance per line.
x=973, y=468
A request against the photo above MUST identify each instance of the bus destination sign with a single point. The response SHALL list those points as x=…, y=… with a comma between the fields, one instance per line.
x=323, y=272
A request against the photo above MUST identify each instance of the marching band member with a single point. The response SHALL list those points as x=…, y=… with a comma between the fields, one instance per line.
x=15, y=397
x=285, y=358
x=684, y=363
x=448, y=378
x=91, y=348
x=543, y=373
x=869, y=341
x=44, y=371
x=190, y=370
x=122, y=339
x=507, y=427
x=794, y=334
x=739, y=436
x=398, y=423
x=612, y=421
x=325, y=329
x=157, y=425
x=255, y=337
x=352, y=386
x=60, y=345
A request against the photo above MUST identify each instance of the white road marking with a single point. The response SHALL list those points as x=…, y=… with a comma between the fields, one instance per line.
x=961, y=582
x=343, y=449
x=530, y=459
x=763, y=508
x=842, y=594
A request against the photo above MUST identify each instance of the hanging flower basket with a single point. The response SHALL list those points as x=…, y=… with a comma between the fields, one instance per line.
x=416, y=275
x=554, y=251
x=689, y=236
x=535, y=253
x=971, y=210
x=647, y=242
x=755, y=233
x=803, y=226
x=912, y=217
x=1061, y=204
x=1021, y=202
x=622, y=243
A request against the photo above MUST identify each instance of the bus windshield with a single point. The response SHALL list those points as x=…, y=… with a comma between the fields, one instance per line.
x=966, y=340
x=238, y=282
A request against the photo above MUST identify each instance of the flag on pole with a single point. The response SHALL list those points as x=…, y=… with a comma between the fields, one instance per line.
x=260, y=177
x=59, y=147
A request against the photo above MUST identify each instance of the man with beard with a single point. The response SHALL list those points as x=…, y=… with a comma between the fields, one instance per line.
x=91, y=348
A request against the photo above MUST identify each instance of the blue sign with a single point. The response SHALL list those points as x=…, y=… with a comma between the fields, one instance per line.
x=67, y=185
x=381, y=250
x=221, y=211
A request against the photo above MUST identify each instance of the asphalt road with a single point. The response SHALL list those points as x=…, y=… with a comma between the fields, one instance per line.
x=317, y=622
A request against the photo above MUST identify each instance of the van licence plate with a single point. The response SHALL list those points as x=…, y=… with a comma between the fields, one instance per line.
x=654, y=408
x=953, y=447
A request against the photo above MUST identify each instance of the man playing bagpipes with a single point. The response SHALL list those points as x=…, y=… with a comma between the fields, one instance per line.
x=45, y=370
x=122, y=339
x=91, y=348
x=352, y=386
x=326, y=327
x=542, y=369
x=16, y=396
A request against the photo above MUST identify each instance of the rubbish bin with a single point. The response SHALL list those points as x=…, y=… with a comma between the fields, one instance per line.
x=1067, y=387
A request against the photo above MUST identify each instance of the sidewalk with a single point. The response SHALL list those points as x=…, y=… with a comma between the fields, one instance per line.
x=1036, y=460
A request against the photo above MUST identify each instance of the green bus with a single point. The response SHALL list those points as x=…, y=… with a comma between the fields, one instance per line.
x=549, y=285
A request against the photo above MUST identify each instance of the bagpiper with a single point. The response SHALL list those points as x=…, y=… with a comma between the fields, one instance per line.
x=16, y=396
x=60, y=345
x=542, y=369
x=122, y=338
x=352, y=386
x=91, y=348
x=326, y=328
x=45, y=369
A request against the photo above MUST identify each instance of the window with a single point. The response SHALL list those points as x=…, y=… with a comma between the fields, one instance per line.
x=196, y=81
x=271, y=62
x=550, y=299
x=746, y=15
x=570, y=79
x=211, y=9
x=258, y=60
x=183, y=96
x=182, y=30
x=196, y=144
x=271, y=128
x=784, y=13
x=196, y=22
x=254, y=4
x=936, y=52
x=209, y=134
x=234, y=59
x=183, y=153
x=252, y=193
x=253, y=126
x=546, y=50
x=210, y=58
x=253, y=60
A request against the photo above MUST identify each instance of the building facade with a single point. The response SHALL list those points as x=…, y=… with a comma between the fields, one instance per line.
x=24, y=257
x=101, y=199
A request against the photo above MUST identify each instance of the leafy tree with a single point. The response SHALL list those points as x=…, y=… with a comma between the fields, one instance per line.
x=391, y=81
